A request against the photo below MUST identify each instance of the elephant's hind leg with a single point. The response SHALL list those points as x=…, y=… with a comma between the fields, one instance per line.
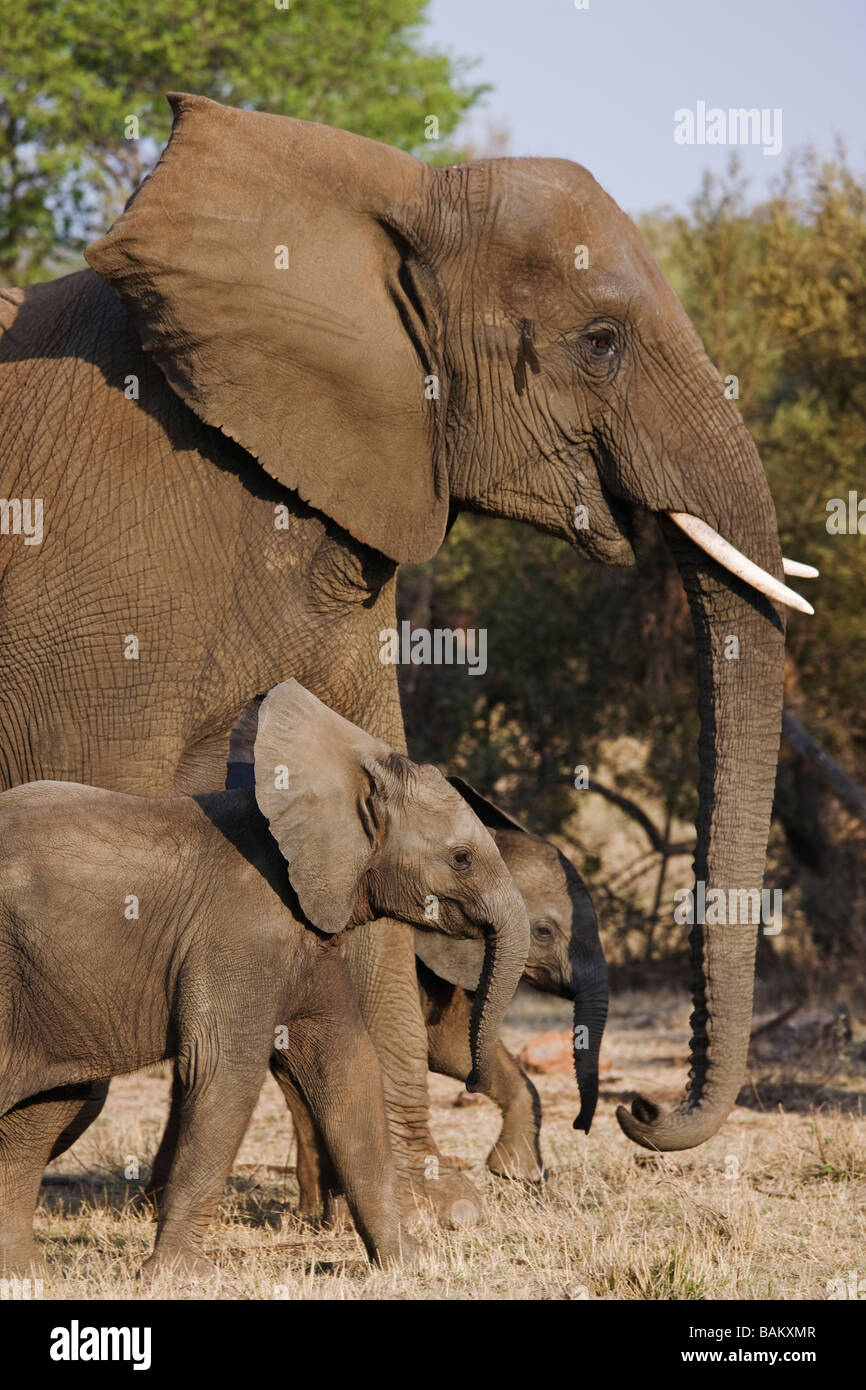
x=320, y=1195
x=29, y=1138
x=162, y=1162
x=95, y=1094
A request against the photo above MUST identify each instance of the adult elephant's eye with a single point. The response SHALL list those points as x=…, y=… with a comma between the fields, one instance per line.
x=599, y=350
x=461, y=859
x=601, y=344
x=541, y=931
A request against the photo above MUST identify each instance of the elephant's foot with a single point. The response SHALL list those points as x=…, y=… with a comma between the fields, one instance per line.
x=453, y=1199
x=452, y=1161
x=22, y=1259
x=330, y=1213
x=517, y=1152
x=185, y=1265
x=439, y=1186
x=518, y=1160
x=405, y=1253
x=310, y=1209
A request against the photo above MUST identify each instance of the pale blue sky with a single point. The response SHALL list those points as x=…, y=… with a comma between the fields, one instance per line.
x=601, y=86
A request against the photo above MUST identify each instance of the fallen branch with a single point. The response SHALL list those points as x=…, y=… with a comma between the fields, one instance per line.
x=776, y=1020
x=827, y=771
x=670, y=850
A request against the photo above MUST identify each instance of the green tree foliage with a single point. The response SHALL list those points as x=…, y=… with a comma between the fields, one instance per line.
x=73, y=71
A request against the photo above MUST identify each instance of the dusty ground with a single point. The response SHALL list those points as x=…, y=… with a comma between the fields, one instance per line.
x=773, y=1207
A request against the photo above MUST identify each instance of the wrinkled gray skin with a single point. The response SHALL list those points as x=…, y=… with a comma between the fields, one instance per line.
x=221, y=968
x=166, y=402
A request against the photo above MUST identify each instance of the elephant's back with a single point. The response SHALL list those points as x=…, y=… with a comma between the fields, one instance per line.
x=88, y=826
x=75, y=384
x=64, y=347
x=75, y=316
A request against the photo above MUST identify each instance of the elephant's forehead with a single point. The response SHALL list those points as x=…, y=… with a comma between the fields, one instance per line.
x=540, y=877
x=553, y=199
x=464, y=827
x=449, y=821
x=545, y=211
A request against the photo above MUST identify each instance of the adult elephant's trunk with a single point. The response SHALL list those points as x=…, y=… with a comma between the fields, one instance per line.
x=590, y=1016
x=740, y=644
x=506, y=946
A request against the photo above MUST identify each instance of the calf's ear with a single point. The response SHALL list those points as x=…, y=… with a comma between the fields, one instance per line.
x=313, y=784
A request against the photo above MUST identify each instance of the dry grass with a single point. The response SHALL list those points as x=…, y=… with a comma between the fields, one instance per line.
x=773, y=1207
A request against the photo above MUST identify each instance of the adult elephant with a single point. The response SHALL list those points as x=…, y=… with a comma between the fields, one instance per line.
x=343, y=346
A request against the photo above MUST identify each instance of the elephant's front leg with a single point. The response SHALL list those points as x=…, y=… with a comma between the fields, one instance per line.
x=331, y=1065
x=214, y=1102
x=517, y=1151
x=381, y=961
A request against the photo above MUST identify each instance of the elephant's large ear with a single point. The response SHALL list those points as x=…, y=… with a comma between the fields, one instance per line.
x=267, y=263
x=487, y=812
x=314, y=775
x=458, y=960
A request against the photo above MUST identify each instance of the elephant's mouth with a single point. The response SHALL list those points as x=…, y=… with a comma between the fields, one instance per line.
x=603, y=524
x=549, y=980
x=622, y=515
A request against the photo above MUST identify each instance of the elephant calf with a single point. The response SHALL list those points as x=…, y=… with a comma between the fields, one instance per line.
x=134, y=929
x=565, y=958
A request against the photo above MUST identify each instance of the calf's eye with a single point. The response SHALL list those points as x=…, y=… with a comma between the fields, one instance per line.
x=542, y=932
x=461, y=858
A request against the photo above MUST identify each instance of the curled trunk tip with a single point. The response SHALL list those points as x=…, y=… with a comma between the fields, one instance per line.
x=653, y=1128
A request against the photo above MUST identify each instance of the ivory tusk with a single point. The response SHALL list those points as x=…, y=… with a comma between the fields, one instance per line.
x=798, y=571
x=731, y=559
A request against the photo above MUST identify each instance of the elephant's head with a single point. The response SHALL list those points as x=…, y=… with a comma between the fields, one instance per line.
x=394, y=340
x=565, y=954
x=366, y=833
